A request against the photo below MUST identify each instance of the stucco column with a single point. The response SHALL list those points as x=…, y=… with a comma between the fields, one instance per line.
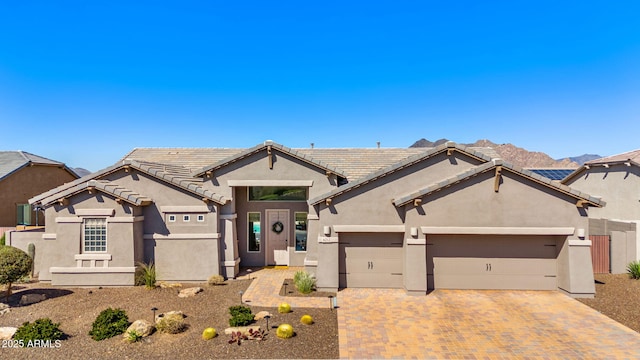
x=327, y=274
x=415, y=265
x=311, y=259
x=575, y=269
x=230, y=257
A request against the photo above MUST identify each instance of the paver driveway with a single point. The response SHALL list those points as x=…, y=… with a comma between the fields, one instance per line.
x=469, y=324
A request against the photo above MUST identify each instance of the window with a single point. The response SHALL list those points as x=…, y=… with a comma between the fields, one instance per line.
x=24, y=214
x=301, y=231
x=200, y=218
x=254, y=232
x=172, y=218
x=277, y=193
x=186, y=218
x=95, y=235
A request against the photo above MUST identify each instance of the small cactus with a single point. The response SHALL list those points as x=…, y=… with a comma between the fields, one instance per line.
x=306, y=319
x=284, y=331
x=284, y=308
x=31, y=251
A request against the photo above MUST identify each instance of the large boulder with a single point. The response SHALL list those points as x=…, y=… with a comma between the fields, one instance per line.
x=261, y=315
x=242, y=329
x=141, y=327
x=32, y=299
x=6, y=333
x=189, y=292
x=171, y=315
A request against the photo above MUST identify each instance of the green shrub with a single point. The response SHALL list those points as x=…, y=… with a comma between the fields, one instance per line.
x=14, y=265
x=146, y=275
x=3, y=240
x=41, y=329
x=240, y=315
x=634, y=269
x=109, y=323
x=133, y=336
x=171, y=325
x=215, y=280
x=304, y=282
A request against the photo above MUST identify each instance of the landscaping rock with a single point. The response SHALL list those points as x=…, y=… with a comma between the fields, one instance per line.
x=4, y=309
x=189, y=292
x=142, y=327
x=243, y=329
x=6, y=333
x=178, y=315
x=32, y=299
x=260, y=315
x=166, y=285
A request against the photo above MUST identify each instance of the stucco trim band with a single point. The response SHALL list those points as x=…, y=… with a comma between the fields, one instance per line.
x=228, y=216
x=577, y=242
x=208, y=236
x=123, y=219
x=49, y=236
x=313, y=217
x=95, y=212
x=416, y=241
x=494, y=230
x=85, y=270
x=310, y=262
x=307, y=183
x=60, y=220
x=185, y=209
x=92, y=257
x=369, y=228
x=231, y=262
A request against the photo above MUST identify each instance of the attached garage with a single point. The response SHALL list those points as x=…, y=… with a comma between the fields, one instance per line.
x=508, y=262
x=371, y=260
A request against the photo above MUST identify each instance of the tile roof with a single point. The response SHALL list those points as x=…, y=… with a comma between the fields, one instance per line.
x=354, y=163
x=407, y=161
x=403, y=200
x=631, y=156
x=104, y=186
x=11, y=161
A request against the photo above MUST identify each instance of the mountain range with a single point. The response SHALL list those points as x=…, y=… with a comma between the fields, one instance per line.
x=519, y=156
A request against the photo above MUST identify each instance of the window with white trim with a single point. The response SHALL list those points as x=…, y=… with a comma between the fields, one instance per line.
x=186, y=218
x=94, y=235
x=301, y=231
x=172, y=218
x=253, y=238
x=200, y=218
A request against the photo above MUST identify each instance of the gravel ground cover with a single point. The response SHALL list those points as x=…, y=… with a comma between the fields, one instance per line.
x=618, y=297
x=76, y=309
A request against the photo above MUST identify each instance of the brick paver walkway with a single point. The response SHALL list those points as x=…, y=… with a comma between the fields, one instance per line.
x=460, y=324
x=467, y=324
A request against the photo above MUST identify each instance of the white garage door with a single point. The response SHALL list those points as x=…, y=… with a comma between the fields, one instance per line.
x=371, y=260
x=518, y=262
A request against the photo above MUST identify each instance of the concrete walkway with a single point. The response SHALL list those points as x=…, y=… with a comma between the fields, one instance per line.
x=460, y=324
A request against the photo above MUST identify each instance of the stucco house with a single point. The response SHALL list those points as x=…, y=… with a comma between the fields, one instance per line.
x=616, y=180
x=418, y=219
x=22, y=176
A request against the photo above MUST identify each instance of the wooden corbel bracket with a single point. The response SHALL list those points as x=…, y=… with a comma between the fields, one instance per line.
x=496, y=180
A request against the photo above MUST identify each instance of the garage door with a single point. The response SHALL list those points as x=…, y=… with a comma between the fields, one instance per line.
x=371, y=260
x=491, y=262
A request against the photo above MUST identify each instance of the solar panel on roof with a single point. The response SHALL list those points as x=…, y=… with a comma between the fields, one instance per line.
x=553, y=174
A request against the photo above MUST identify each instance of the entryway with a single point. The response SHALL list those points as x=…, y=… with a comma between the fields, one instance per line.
x=278, y=233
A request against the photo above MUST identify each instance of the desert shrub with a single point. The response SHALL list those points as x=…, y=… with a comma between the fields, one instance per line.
x=171, y=325
x=304, y=282
x=41, y=329
x=240, y=315
x=14, y=265
x=3, y=240
x=133, y=336
x=215, y=280
x=634, y=269
x=146, y=275
x=109, y=323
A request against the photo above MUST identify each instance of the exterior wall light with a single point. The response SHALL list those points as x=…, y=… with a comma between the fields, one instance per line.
x=327, y=230
x=414, y=231
x=580, y=233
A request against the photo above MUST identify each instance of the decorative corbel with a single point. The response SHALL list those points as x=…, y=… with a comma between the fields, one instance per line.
x=581, y=203
x=206, y=201
x=270, y=157
x=119, y=201
x=496, y=180
x=209, y=173
x=91, y=189
x=449, y=151
x=126, y=168
x=328, y=202
x=63, y=202
x=417, y=202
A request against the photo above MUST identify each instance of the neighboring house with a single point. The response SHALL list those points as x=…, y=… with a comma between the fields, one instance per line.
x=418, y=219
x=616, y=180
x=22, y=176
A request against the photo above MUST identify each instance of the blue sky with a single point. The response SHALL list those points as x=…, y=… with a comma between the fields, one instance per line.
x=84, y=82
